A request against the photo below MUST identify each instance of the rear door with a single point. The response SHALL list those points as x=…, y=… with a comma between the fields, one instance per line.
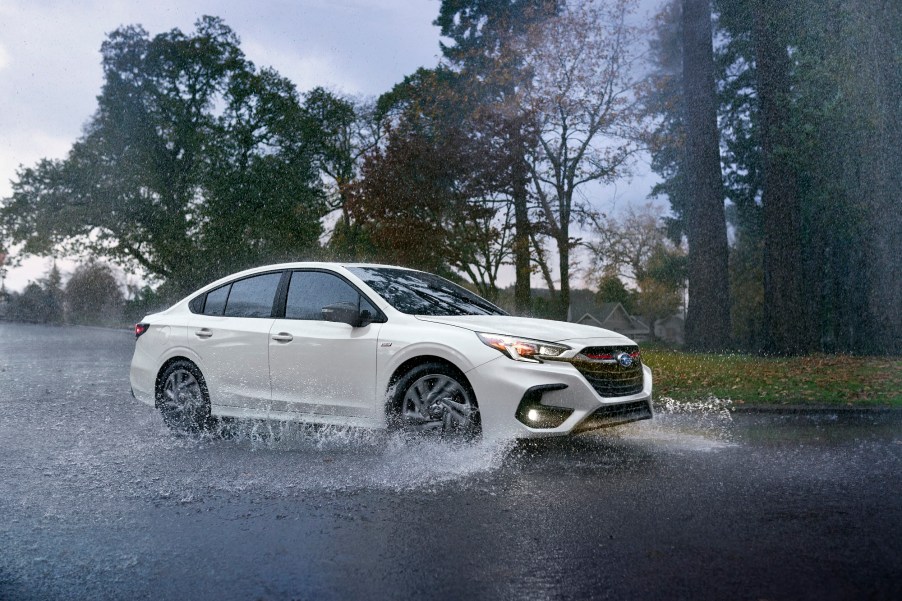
x=232, y=339
x=320, y=366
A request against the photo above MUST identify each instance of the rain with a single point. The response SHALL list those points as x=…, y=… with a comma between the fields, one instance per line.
x=716, y=180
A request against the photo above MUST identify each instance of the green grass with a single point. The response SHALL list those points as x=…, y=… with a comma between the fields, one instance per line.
x=753, y=380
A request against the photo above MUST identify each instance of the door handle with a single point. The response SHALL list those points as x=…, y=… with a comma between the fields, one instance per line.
x=203, y=333
x=283, y=337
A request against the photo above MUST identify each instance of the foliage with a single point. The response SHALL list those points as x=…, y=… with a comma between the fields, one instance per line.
x=39, y=302
x=635, y=247
x=195, y=164
x=583, y=96
x=342, y=130
x=612, y=290
x=93, y=295
x=840, y=153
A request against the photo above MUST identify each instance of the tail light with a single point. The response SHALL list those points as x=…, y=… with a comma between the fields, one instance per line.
x=140, y=328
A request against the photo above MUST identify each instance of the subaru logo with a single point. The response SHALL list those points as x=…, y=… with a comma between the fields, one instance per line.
x=624, y=360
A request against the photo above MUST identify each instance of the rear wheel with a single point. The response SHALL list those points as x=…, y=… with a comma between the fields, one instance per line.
x=182, y=398
x=435, y=399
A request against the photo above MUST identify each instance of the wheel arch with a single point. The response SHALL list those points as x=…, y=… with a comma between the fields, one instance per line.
x=158, y=380
x=410, y=364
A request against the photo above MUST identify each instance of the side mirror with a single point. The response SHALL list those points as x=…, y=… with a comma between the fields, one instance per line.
x=347, y=313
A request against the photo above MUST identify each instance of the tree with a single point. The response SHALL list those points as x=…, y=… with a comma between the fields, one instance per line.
x=344, y=130
x=787, y=330
x=93, y=295
x=404, y=203
x=623, y=245
x=811, y=135
x=612, y=290
x=432, y=110
x=708, y=316
x=39, y=302
x=194, y=164
x=583, y=96
x=661, y=285
x=425, y=198
x=635, y=247
x=488, y=37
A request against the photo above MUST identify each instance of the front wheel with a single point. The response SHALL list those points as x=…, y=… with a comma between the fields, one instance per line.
x=435, y=399
x=182, y=398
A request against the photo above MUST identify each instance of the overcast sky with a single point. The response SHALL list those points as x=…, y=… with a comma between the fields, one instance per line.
x=50, y=71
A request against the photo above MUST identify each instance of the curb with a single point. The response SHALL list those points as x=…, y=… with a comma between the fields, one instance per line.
x=816, y=410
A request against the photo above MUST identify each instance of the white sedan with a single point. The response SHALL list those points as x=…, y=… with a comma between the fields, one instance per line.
x=380, y=346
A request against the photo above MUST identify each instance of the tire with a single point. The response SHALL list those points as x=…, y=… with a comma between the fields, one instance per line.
x=435, y=399
x=183, y=398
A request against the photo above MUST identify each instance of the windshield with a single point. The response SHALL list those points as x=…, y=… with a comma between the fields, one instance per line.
x=419, y=293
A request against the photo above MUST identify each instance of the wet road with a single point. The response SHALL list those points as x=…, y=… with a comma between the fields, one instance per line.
x=99, y=501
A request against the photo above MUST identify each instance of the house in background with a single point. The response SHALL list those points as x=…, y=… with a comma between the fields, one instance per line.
x=610, y=316
x=671, y=329
x=614, y=316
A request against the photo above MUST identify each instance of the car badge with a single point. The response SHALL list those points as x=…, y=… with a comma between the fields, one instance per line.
x=624, y=360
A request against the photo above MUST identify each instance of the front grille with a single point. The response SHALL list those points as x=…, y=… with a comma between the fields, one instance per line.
x=613, y=415
x=607, y=377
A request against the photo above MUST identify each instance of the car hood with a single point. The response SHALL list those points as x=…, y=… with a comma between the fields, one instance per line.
x=539, y=329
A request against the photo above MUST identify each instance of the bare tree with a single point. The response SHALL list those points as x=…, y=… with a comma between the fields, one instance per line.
x=622, y=246
x=635, y=248
x=582, y=97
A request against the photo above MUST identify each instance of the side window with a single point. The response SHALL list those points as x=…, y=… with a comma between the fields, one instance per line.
x=310, y=291
x=252, y=297
x=216, y=300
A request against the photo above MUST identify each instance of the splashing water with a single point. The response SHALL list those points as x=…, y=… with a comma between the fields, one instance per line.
x=703, y=425
x=293, y=457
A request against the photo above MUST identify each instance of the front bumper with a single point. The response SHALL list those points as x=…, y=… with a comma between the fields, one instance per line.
x=501, y=384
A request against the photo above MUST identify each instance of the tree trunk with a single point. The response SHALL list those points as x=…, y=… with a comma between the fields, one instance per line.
x=786, y=331
x=885, y=299
x=708, y=317
x=564, y=265
x=522, y=269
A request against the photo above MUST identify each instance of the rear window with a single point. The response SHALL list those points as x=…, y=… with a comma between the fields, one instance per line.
x=252, y=297
x=216, y=300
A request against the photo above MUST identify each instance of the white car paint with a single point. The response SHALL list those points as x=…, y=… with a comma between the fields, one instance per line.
x=333, y=373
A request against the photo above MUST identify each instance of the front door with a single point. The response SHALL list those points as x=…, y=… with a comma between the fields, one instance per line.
x=319, y=366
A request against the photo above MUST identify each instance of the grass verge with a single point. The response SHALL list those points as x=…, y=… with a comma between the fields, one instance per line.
x=753, y=380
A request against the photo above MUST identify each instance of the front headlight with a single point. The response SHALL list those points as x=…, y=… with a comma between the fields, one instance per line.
x=523, y=349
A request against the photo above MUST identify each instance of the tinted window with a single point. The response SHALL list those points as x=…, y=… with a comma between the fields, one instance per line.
x=419, y=293
x=310, y=291
x=216, y=300
x=253, y=297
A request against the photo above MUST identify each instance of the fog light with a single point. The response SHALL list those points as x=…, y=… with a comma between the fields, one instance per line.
x=531, y=412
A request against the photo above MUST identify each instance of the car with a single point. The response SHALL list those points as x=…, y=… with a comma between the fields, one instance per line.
x=384, y=347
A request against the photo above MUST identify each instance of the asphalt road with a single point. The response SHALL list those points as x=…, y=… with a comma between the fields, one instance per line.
x=99, y=501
